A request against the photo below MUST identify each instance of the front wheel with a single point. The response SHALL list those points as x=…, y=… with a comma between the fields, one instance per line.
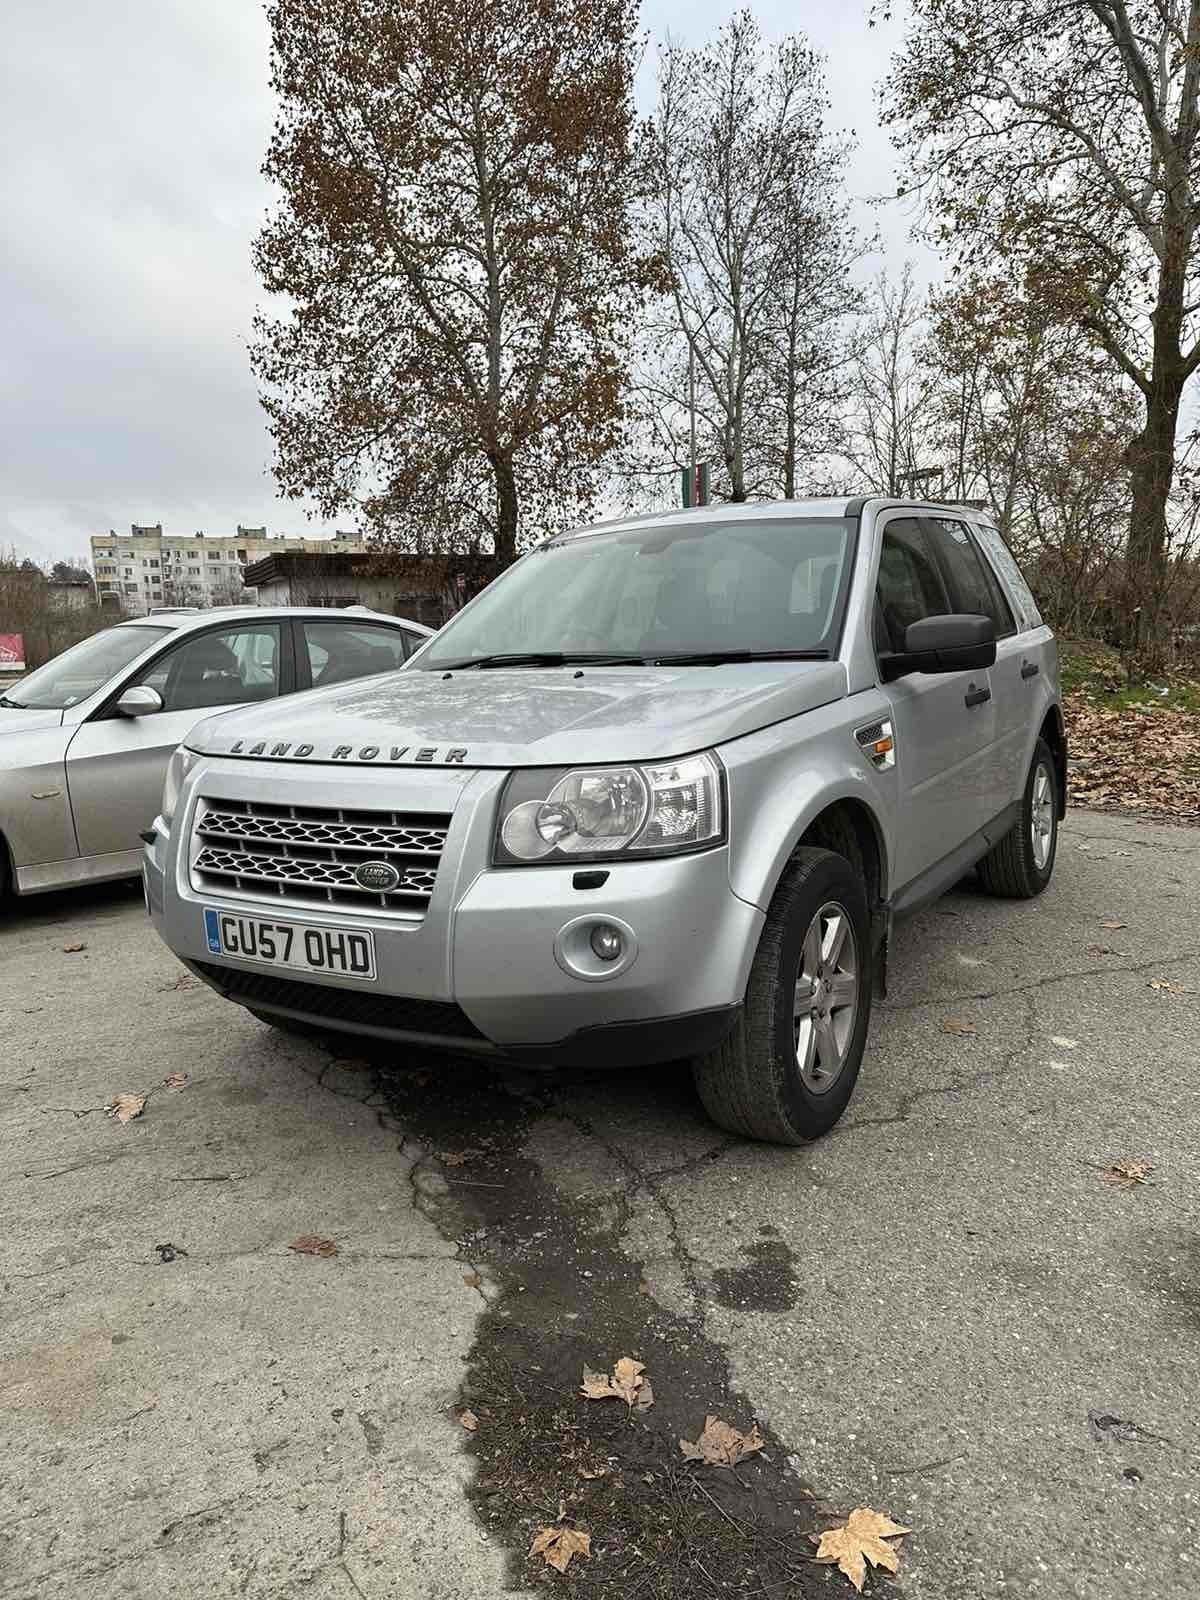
x=788, y=1069
x=1021, y=865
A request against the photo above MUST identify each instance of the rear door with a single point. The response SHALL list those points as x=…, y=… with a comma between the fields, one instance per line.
x=973, y=588
x=116, y=765
x=942, y=741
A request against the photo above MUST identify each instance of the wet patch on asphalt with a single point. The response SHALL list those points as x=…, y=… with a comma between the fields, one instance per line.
x=766, y=1283
x=561, y=1293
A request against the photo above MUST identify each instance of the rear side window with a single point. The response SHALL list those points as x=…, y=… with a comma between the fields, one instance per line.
x=1002, y=559
x=910, y=585
x=339, y=652
x=972, y=586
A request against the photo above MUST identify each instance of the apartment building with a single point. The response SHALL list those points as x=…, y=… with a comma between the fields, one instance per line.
x=148, y=567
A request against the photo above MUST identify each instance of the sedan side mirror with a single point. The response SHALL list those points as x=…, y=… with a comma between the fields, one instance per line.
x=954, y=642
x=139, y=701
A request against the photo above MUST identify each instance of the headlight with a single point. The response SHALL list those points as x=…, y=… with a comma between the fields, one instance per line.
x=592, y=813
x=182, y=763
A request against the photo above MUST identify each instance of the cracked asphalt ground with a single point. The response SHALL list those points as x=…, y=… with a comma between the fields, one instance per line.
x=943, y=1310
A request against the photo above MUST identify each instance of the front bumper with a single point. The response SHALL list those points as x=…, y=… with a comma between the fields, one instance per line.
x=483, y=970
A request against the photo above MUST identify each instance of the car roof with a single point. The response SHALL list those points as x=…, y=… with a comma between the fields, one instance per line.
x=767, y=510
x=184, y=621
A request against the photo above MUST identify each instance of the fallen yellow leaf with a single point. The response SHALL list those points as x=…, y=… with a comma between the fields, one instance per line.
x=963, y=1028
x=124, y=1107
x=721, y=1445
x=628, y=1383
x=858, y=1540
x=556, y=1546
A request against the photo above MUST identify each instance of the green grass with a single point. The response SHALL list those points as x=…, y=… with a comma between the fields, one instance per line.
x=1095, y=671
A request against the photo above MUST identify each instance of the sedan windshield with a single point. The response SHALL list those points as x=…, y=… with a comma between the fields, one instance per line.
x=701, y=588
x=83, y=669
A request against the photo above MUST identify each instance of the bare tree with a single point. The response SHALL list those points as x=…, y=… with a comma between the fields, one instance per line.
x=453, y=241
x=744, y=207
x=1062, y=134
x=889, y=416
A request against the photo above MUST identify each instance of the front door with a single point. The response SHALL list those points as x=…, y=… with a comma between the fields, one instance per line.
x=116, y=765
x=944, y=723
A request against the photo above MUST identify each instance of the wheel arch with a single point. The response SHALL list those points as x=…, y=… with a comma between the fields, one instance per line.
x=851, y=828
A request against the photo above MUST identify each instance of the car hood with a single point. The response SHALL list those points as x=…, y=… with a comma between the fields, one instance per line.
x=28, y=721
x=525, y=717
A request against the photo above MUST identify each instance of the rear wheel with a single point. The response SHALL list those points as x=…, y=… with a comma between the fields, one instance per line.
x=787, y=1071
x=1021, y=865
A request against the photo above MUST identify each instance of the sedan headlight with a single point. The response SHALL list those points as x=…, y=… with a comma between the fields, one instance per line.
x=594, y=813
x=182, y=763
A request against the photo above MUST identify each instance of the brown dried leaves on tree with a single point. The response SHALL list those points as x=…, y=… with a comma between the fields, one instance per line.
x=453, y=237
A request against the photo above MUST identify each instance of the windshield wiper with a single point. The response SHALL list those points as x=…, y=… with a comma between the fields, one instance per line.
x=12, y=705
x=543, y=658
x=717, y=658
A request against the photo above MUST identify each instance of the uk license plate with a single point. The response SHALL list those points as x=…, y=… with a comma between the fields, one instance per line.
x=349, y=953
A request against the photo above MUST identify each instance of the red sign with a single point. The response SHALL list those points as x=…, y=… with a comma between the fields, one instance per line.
x=12, y=652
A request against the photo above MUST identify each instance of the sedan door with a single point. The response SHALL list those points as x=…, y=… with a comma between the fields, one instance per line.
x=943, y=723
x=116, y=764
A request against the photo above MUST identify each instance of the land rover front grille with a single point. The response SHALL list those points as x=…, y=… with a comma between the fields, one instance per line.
x=308, y=855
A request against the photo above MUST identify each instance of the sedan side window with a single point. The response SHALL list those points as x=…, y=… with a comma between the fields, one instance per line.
x=339, y=652
x=910, y=586
x=228, y=667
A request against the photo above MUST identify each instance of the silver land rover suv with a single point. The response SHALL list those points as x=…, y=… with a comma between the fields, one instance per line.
x=659, y=792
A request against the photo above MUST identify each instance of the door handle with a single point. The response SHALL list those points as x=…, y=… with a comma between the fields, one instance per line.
x=1029, y=669
x=977, y=697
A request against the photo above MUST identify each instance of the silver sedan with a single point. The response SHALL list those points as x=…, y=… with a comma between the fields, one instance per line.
x=85, y=740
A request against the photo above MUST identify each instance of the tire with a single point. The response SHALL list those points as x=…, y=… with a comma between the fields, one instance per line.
x=754, y=1084
x=1022, y=864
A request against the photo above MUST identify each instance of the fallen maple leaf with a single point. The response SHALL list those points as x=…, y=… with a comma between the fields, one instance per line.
x=627, y=1383
x=721, y=1445
x=1128, y=1172
x=1112, y=925
x=861, y=1538
x=73, y=949
x=959, y=1027
x=557, y=1545
x=469, y=1421
x=124, y=1107
x=308, y=1244
x=175, y=1080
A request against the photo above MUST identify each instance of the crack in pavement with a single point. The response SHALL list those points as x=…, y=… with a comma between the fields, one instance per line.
x=889, y=1008
x=961, y=1084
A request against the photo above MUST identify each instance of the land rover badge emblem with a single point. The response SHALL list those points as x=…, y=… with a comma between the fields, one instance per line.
x=378, y=876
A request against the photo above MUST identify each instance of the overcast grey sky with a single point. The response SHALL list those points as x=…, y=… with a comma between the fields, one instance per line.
x=130, y=142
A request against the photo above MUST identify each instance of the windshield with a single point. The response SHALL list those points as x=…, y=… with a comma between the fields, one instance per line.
x=81, y=670
x=755, y=585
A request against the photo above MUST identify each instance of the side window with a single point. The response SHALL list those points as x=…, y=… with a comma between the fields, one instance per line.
x=339, y=652
x=228, y=667
x=910, y=586
x=1003, y=561
x=972, y=587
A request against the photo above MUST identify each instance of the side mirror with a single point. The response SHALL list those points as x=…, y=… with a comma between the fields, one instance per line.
x=139, y=702
x=954, y=642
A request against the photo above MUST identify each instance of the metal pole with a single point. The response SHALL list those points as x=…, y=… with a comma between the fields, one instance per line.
x=692, y=414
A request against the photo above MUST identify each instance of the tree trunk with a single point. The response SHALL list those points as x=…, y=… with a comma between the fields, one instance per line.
x=506, y=511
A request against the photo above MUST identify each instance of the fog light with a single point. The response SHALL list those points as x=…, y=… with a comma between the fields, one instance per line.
x=606, y=941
